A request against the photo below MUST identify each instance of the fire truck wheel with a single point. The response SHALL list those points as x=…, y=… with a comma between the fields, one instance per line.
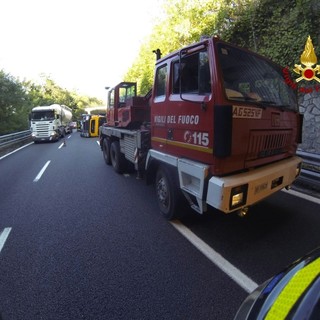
x=167, y=193
x=117, y=158
x=106, y=151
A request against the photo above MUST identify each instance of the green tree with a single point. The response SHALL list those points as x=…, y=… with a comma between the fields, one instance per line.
x=18, y=98
x=14, y=104
x=50, y=92
x=277, y=30
x=183, y=22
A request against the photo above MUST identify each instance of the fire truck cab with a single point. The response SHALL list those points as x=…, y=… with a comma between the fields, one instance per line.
x=223, y=129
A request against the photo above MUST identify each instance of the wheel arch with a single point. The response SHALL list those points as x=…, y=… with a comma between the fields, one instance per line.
x=154, y=160
x=151, y=170
x=109, y=138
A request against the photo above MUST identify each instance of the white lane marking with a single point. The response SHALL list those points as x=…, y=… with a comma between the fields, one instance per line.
x=302, y=195
x=98, y=142
x=240, y=278
x=3, y=237
x=61, y=145
x=37, y=178
x=8, y=154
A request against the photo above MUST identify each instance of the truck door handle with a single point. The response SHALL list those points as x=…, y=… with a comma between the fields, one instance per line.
x=170, y=134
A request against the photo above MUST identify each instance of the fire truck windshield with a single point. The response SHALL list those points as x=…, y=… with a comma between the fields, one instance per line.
x=250, y=78
x=42, y=115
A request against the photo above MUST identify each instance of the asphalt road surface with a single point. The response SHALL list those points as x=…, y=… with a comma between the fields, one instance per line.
x=78, y=241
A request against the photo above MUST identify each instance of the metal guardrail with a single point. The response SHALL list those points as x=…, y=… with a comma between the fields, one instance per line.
x=8, y=139
x=310, y=173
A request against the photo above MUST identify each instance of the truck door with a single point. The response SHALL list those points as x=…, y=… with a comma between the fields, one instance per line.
x=159, y=109
x=182, y=115
x=111, y=116
x=190, y=122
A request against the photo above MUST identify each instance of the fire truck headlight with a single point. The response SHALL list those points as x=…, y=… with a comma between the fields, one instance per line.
x=238, y=196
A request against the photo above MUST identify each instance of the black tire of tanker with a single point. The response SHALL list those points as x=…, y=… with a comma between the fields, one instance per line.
x=169, y=196
x=117, y=158
x=106, y=151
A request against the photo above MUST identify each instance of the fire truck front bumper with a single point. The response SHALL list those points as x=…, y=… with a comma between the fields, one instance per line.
x=236, y=192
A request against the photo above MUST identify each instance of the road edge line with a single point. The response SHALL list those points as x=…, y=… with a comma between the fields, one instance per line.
x=302, y=195
x=3, y=237
x=37, y=178
x=8, y=154
x=234, y=273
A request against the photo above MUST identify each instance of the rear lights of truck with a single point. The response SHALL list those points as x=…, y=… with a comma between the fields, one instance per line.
x=238, y=196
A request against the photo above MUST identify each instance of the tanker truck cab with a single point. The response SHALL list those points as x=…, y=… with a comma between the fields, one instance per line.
x=49, y=123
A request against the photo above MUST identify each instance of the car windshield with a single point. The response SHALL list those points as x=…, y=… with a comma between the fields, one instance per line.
x=250, y=78
x=42, y=115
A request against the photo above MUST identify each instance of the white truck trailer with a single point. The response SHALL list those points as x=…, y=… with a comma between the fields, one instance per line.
x=49, y=123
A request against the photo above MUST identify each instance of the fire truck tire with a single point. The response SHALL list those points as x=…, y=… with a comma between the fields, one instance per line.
x=106, y=151
x=168, y=193
x=117, y=158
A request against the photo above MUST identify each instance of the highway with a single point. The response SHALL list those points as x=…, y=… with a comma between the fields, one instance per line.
x=79, y=241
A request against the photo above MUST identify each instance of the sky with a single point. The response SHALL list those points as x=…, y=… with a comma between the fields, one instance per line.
x=83, y=45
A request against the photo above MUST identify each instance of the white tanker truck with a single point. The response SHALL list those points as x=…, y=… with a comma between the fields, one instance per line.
x=49, y=123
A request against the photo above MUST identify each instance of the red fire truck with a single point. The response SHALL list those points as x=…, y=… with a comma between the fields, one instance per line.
x=220, y=128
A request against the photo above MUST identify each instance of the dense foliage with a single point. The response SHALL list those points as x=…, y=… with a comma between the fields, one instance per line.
x=14, y=104
x=275, y=29
x=18, y=98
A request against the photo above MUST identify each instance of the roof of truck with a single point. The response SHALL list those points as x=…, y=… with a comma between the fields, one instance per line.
x=54, y=106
